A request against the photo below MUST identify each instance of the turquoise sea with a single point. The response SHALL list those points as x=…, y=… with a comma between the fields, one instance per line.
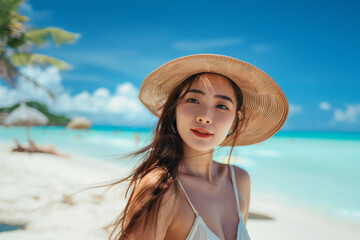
x=319, y=170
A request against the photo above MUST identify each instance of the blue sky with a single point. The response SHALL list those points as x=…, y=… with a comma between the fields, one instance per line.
x=310, y=48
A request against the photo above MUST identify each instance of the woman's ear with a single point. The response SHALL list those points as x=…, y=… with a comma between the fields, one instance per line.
x=237, y=115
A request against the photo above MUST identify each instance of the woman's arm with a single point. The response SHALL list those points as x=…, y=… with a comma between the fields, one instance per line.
x=243, y=185
x=166, y=212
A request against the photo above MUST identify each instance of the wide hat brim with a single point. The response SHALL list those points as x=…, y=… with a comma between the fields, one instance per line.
x=266, y=106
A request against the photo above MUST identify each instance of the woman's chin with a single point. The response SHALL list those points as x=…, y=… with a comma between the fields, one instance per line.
x=196, y=143
x=200, y=147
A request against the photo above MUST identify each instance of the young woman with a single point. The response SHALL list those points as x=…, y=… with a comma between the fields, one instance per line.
x=179, y=191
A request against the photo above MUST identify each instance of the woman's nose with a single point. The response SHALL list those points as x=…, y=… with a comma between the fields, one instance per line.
x=203, y=119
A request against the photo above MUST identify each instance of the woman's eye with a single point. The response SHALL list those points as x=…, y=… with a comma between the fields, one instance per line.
x=222, y=107
x=193, y=100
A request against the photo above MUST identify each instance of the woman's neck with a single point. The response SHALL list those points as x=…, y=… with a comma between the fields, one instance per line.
x=200, y=163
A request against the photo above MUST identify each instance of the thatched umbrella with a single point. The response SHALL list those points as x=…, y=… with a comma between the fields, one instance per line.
x=79, y=123
x=25, y=116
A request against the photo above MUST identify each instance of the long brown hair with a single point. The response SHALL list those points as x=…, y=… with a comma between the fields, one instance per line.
x=163, y=154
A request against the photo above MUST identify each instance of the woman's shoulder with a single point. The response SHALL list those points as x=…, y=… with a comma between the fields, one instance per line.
x=242, y=179
x=240, y=173
x=155, y=179
x=167, y=207
x=152, y=177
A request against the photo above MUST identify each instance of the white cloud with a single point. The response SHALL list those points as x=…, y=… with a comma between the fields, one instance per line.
x=294, y=109
x=126, y=89
x=324, y=106
x=206, y=44
x=102, y=93
x=101, y=106
x=349, y=115
x=7, y=96
x=49, y=78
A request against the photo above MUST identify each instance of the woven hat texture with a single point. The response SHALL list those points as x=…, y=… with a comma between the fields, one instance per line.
x=266, y=106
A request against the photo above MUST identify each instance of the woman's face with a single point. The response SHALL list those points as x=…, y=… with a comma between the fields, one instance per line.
x=206, y=113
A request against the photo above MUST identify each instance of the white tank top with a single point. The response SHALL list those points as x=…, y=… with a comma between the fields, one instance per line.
x=199, y=230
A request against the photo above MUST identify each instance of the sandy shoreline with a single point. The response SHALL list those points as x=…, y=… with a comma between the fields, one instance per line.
x=36, y=190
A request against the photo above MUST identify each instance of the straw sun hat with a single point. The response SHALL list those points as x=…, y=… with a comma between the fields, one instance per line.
x=266, y=106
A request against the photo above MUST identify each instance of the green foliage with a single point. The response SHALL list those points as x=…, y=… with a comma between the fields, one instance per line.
x=40, y=36
x=19, y=59
x=8, y=72
x=12, y=26
x=16, y=42
x=54, y=120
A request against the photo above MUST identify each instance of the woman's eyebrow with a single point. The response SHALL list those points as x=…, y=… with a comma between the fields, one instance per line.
x=217, y=96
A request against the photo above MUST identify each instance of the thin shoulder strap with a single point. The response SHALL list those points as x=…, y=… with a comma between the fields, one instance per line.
x=235, y=188
x=188, y=198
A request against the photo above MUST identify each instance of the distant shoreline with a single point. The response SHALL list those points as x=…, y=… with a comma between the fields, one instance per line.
x=281, y=133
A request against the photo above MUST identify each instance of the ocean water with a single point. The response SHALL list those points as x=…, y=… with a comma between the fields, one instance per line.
x=319, y=170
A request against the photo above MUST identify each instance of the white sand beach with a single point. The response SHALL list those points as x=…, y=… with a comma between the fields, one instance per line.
x=36, y=191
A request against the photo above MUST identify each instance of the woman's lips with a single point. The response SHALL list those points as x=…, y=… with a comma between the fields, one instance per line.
x=201, y=132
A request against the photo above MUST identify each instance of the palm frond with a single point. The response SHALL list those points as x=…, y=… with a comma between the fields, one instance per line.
x=7, y=71
x=40, y=36
x=7, y=10
x=20, y=59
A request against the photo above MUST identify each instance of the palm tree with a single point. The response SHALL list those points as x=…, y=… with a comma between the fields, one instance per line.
x=17, y=43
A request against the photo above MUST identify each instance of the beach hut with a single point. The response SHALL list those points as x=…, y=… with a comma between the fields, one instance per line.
x=25, y=116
